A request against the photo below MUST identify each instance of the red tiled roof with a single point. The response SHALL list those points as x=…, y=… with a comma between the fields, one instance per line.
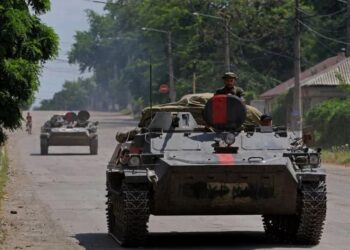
x=284, y=86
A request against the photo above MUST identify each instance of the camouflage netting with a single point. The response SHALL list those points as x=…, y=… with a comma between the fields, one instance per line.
x=253, y=116
x=193, y=103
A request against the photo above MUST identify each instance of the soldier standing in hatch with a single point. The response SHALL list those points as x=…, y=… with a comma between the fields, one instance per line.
x=230, y=79
x=230, y=87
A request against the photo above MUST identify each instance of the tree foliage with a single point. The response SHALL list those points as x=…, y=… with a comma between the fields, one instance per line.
x=282, y=108
x=25, y=44
x=261, y=41
x=75, y=95
x=330, y=120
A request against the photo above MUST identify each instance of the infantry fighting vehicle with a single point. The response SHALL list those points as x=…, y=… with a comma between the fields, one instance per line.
x=69, y=130
x=175, y=167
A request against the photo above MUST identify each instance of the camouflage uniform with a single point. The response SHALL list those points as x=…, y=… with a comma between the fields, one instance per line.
x=237, y=91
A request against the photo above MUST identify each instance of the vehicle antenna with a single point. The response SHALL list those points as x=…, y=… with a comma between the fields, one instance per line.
x=150, y=83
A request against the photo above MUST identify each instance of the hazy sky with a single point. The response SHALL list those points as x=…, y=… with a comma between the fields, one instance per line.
x=66, y=17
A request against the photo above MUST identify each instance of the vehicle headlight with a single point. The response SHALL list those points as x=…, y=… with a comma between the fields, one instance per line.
x=314, y=159
x=229, y=138
x=301, y=160
x=134, y=161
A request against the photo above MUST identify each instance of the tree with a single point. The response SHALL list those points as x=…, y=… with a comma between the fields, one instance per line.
x=75, y=95
x=25, y=44
x=261, y=38
x=330, y=121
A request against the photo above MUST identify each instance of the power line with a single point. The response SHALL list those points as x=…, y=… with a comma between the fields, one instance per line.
x=69, y=72
x=321, y=35
x=342, y=1
x=335, y=30
x=324, y=15
x=257, y=48
x=325, y=46
x=250, y=40
x=260, y=49
x=60, y=60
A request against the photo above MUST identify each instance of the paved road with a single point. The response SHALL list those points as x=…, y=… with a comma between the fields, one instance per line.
x=70, y=184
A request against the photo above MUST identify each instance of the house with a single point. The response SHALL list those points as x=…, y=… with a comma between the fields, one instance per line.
x=318, y=83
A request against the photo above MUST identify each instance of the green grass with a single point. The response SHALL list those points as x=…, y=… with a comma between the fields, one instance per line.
x=125, y=111
x=336, y=157
x=3, y=179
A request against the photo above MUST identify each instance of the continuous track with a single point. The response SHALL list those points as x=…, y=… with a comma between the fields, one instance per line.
x=128, y=214
x=305, y=227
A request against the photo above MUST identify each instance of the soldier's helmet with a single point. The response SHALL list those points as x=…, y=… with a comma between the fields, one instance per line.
x=230, y=75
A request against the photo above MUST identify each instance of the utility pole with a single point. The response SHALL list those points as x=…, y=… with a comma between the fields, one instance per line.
x=150, y=83
x=348, y=30
x=194, y=79
x=227, y=44
x=194, y=76
x=172, y=91
x=296, y=117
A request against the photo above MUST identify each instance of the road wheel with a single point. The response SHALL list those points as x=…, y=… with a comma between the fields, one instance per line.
x=94, y=146
x=128, y=214
x=44, y=147
x=280, y=228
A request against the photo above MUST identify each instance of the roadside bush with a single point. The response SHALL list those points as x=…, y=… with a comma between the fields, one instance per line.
x=281, y=108
x=331, y=121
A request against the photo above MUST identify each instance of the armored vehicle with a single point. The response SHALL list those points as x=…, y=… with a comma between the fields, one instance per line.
x=176, y=167
x=69, y=130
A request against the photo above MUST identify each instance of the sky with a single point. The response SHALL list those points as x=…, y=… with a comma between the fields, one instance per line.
x=66, y=17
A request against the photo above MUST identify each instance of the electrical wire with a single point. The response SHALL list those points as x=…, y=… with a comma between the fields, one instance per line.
x=342, y=1
x=324, y=45
x=61, y=71
x=250, y=40
x=321, y=35
x=60, y=60
x=325, y=15
x=335, y=30
x=261, y=49
x=257, y=48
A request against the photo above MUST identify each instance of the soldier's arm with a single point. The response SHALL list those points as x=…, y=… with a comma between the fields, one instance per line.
x=240, y=92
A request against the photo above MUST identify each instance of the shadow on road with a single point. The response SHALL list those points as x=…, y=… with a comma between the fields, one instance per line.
x=58, y=154
x=189, y=240
x=97, y=241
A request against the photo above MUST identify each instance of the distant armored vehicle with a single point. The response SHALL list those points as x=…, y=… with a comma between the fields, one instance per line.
x=176, y=167
x=69, y=130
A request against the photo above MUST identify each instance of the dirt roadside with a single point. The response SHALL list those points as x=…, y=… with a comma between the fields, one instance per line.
x=25, y=220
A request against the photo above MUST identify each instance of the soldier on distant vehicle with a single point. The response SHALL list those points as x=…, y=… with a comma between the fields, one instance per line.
x=230, y=81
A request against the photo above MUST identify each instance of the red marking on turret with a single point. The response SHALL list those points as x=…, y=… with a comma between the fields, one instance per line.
x=219, y=109
x=226, y=159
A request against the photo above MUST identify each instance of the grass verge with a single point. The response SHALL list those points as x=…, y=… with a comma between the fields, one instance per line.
x=3, y=179
x=336, y=157
x=125, y=111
